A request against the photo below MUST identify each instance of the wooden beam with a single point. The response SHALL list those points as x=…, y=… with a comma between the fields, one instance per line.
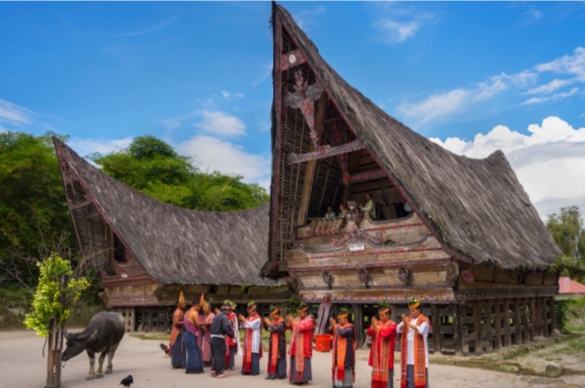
x=311, y=166
x=324, y=152
x=366, y=176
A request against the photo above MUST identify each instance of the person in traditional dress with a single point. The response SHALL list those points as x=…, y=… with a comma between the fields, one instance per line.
x=324, y=315
x=220, y=327
x=204, y=334
x=301, y=346
x=343, y=356
x=176, y=346
x=330, y=213
x=383, y=333
x=276, y=345
x=414, y=349
x=232, y=344
x=252, y=349
x=369, y=208
x=194, y=363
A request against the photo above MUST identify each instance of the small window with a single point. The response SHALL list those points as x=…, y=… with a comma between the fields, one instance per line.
x=119, y=250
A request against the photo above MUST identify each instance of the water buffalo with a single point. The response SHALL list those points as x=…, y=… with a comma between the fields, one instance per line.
x=102, y=334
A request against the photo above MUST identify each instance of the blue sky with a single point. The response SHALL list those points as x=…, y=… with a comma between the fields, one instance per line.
x=472, y=76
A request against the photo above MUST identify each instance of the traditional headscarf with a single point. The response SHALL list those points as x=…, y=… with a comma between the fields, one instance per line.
x=228, y=305
x=202, y=301
x=302, y=308
x=251, y=306
x=274, y=310
x=414, y=303
x=384, y=308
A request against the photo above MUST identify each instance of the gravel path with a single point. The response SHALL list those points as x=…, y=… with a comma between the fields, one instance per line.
x=22, y=366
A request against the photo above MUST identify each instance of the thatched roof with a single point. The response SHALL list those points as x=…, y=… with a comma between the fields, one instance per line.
x=176, y=245
x=476, y=208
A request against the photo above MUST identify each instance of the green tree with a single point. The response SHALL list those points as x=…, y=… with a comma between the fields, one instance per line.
x=568, y=232
x=58, y=288
x=33, y=212
x=156, y=169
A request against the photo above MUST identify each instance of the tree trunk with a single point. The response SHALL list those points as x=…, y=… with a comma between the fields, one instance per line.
x=54, y=355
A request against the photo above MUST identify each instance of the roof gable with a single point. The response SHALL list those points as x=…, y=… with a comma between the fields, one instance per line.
x=476, y=208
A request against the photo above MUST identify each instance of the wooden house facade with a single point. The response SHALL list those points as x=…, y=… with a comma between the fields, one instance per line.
x=147, y=251
x=460, y=234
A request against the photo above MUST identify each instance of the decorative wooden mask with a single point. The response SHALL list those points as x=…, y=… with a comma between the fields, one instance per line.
x=405, y=275
x=365, y=277
x=328, y=278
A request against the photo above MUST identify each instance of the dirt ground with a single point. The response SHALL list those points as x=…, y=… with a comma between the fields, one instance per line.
x=22, y=366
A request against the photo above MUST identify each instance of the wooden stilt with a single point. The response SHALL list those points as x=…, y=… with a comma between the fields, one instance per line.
x=436, y=328
x=517, y=323
x=525, y=326
x=457, y=337
x=507, y=330
x=533, y=325
x=477, y=327
x=359, y=324
x=498, y=324
x=553, y=315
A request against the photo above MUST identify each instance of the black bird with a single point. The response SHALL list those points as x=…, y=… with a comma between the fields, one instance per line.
x=126, y=381
x=166, y=349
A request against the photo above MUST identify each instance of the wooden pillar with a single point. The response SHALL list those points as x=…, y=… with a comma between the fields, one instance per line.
x=525, y=326
x=507, y=330
x=533, y=324
x=436, y=329
x=457, y=336
x=359, y=324
x=553, y=314
x=543, y=317
x=517, y=324
x=498, y=324
x=477, y=326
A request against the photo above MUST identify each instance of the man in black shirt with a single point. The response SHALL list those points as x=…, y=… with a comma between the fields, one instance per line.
x=220, y=327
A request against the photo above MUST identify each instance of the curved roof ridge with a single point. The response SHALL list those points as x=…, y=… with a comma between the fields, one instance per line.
x=177, y=245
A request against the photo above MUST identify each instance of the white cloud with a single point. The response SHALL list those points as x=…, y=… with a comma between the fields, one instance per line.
x=220, y=123
x=398, y=32
x=448, y=103
x=550, y=87
x=557, y=96
x=228, y=95
x=533, y=15
x=86, y=147
x=306, y=18
x=549, y=161
x=12, y=115
x=438, y=105
x=228, y=158
x=569, y=64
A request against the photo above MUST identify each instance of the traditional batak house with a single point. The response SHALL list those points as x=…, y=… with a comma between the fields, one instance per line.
x=460, y=234
x=148, y=251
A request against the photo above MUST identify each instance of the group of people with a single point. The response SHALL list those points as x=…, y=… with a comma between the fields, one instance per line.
x=368, y=208
x=220, y=332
